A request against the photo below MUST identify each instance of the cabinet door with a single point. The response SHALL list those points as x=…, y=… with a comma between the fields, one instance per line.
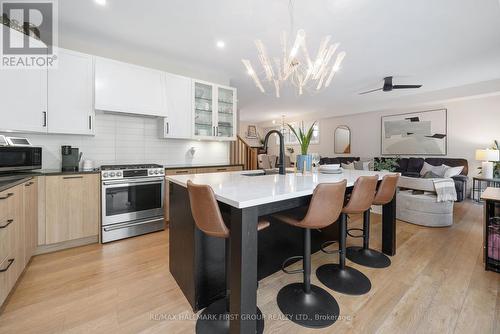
x=30, y=218
x=128, y=88
x=226, y=113
x=203, y=115
x=179, y=120
x=23, y=96
x=71, y=207
x=70, y=94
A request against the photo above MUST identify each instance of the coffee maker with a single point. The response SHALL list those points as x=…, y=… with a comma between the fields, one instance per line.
x=70, y=158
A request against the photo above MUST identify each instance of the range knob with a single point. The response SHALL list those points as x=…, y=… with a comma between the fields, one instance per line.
x=161, y=171
x=105, y=174
x=150, y=172
x=112, y=174
x=118, y=173
x=156, y=172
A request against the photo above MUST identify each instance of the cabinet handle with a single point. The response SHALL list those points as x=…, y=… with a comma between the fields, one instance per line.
x=90, y=122
x=181, y=172
x=221, y=169
x=9, y=221
x=11, y=261
x=28, y=184
x=7, y=196
x=44, y=118
x=72, y=177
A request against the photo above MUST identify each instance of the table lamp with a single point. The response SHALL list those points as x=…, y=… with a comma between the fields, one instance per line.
x=487, y=156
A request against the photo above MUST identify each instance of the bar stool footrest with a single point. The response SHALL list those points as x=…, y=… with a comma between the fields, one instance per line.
x=362, y=235
x=329, y=243
x=285, y=264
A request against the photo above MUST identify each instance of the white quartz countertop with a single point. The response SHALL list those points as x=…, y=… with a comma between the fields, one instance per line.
x=240, y=191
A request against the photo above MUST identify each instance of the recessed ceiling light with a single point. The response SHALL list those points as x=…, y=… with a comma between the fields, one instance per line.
x=101, y=2
x=221, y=44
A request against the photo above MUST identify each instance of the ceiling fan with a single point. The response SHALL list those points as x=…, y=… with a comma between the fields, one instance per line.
x=388, y=86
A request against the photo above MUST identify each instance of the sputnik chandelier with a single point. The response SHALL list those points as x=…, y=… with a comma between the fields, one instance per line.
x=295, y=67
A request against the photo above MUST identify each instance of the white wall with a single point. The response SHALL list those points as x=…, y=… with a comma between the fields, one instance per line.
x=472, y=123
x=128, y=139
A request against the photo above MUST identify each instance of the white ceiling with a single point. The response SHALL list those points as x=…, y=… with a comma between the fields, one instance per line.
x=450, y=46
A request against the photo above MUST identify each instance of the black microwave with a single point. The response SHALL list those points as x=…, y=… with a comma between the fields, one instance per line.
x=17, y=158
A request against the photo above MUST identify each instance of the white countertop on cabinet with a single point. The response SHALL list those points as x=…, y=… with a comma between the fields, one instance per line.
x=241, y=191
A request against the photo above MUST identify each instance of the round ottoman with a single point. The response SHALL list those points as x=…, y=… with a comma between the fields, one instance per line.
x=423, y=209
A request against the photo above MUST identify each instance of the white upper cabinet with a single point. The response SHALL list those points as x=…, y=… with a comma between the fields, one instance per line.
x=127, y=88
x=214, y=111
x=70, y=94
x=179, y=120
x=23, y=96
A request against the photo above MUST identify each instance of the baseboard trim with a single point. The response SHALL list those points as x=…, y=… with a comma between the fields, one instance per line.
x=43, y=249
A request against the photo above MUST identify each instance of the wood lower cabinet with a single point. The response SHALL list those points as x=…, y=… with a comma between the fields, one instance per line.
x=218, y=169
x=71, y=207
x=12, y=236
x=30, y=210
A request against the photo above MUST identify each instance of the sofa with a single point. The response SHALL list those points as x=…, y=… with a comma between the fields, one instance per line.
x=337, y=160
x=411, y=167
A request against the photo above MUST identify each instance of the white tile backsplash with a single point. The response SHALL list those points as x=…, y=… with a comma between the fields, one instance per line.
x=128, y=139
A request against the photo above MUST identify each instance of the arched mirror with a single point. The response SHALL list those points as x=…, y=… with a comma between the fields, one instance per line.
x=342, y=139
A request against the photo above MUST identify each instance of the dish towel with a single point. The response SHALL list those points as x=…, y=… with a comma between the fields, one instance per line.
x=445, y=190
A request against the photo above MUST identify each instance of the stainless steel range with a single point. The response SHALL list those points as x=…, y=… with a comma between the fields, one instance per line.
x=132, y=200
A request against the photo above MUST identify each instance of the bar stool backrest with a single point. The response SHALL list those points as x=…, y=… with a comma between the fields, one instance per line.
x=362, y=195
x=326, y=205
x=386, y=190
x=206, y=211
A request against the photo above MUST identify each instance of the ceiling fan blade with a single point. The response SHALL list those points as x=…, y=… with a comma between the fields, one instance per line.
x=406, y=86
x=370, y=91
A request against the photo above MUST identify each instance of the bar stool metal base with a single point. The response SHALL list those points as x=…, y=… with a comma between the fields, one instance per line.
x=215, y=319
x=316, y=309
x=368, y=257
x=348, y=280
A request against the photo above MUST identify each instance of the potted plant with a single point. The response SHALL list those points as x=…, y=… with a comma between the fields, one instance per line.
x=304, y=139
x=386, y=164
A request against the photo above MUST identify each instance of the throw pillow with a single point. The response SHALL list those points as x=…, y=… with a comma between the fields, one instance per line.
x=362, y=165
x=438, y=170
x=347, y=166
x=452, y=171
x=431, y=175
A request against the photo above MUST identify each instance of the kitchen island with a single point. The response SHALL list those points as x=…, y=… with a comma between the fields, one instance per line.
x=196, y=260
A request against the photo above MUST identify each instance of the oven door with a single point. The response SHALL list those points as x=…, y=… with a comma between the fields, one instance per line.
x=127, y=200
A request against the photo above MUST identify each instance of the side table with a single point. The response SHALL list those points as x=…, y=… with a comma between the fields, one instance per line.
x=479, y=184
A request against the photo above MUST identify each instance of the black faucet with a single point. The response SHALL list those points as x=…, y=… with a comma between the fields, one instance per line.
x=282, y=149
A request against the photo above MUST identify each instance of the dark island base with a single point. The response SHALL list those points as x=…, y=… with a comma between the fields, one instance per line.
x=197, y=261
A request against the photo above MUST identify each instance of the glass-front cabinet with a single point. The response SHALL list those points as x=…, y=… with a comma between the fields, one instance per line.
x=214, y=111
x=203, y=110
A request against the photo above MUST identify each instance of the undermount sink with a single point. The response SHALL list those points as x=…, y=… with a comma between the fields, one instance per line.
x=265, y=172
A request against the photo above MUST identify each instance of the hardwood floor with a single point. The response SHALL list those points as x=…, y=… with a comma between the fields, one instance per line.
x=436, y=284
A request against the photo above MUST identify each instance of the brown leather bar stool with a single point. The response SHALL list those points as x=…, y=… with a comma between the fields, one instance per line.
x=208, y=218
x=340, y=277
x=303, y=303
x=366, y=256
